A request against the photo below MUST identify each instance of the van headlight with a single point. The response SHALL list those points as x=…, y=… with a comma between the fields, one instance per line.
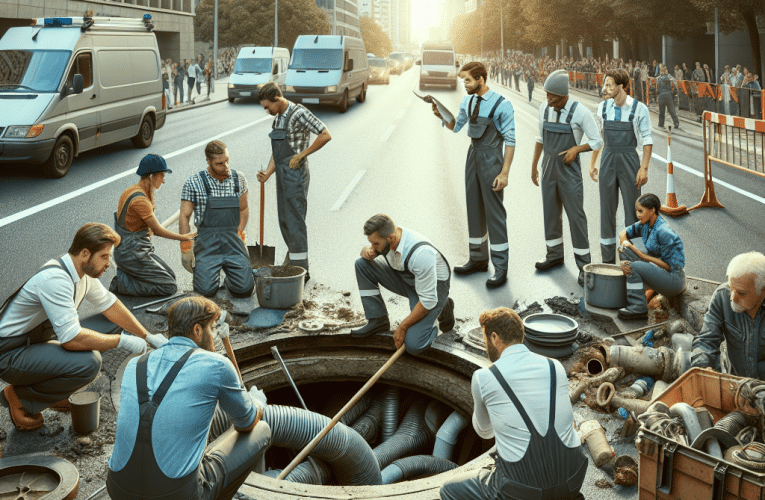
x=451, y=75
x=331, y=89
x=231, y=85
x=290, y=88
x=23, y=131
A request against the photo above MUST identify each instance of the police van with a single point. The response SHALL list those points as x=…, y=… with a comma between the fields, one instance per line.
x=255, y=67
x=71, y=84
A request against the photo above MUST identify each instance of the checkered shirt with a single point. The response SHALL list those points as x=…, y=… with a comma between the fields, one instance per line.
x=302, y=123
x=195, y=192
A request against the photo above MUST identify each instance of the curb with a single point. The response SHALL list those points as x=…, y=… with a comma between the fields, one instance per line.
x=193, y=106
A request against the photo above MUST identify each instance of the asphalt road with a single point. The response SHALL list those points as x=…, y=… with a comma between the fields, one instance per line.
x=389, y=155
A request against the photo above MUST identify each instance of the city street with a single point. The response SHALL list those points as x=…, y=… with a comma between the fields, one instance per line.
x=389, y=155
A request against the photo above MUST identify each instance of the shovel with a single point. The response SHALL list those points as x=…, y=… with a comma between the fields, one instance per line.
x=260, y=255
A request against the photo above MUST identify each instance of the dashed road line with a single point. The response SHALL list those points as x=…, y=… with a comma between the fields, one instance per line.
x=339, y=203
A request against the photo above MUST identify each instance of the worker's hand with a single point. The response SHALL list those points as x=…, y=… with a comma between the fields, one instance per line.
x=435, y=111
x=297, y=161
x=156, y=340
x=187, y=257
x=535, y=176
x=568, y=156
x=594, y=173
x=500, y=182
x=368, y=253
x=399, y=336
x=189, y=236
x=131, y=343
x=259, y=396
x=263, y=176
x=242, y=236
x=642, y=177
x=627, y=267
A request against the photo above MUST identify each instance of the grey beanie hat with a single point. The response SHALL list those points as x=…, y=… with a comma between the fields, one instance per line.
x=557, y=82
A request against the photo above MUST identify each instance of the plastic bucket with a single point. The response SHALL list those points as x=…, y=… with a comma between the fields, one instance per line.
x=86, y=410
x=279, y=287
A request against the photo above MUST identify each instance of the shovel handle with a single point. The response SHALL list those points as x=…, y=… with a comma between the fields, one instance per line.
x=230, y=352
x=262, y=216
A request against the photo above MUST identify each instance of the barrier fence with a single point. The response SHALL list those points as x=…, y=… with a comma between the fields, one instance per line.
x=735, y=142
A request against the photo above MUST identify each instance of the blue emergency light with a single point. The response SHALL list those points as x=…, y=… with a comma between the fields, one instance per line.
x=57, y=22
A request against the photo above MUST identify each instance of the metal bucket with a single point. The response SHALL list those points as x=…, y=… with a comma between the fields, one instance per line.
x=86, y=411
x=279, y=287
x=605, y=285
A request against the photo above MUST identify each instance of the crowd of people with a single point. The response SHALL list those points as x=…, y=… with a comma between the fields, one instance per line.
x=180, y=79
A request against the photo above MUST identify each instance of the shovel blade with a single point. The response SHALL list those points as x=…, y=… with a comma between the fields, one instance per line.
x=261, y=256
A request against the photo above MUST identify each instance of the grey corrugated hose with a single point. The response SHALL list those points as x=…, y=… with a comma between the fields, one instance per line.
x=411, y=436
x=415, y=466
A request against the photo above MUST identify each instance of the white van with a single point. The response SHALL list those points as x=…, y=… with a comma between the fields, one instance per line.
x=70, y=84
x=327, y=69
x=255, y=67
x=438, y=65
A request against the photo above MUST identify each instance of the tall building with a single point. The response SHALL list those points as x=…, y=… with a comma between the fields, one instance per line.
x=343, y=16
x=394, y=17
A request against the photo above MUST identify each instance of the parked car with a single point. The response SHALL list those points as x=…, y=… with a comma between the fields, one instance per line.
x=378, y=71
x=401, y=58
x=256, y=66
x=395, y=67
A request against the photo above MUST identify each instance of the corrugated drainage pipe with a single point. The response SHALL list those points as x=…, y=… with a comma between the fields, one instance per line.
x=304, y=473
x=411, y=436
x=418, y=465
x=346, y=452
x=446, y=437
x=390, y=412
x=368, y=424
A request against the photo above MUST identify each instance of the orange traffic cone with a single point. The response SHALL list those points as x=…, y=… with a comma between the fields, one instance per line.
x=671, y=207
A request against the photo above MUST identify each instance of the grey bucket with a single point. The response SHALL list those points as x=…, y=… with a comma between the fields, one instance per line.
x=279, y=287
x=605, y=286
x=86, y=411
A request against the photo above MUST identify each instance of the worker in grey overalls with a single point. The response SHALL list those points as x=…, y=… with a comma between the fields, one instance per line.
x=290, y=135
x=623, y=120
x=218, y=199
x=664, y=86
x=491, y=125
x=562, y=123
x=411, y=267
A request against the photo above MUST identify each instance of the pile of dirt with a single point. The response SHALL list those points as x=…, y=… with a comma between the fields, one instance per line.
x=562, y=305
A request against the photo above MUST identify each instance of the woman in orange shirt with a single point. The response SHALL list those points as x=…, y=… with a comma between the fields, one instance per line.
x=140, y=272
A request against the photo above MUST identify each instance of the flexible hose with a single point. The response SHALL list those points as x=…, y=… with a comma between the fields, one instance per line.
x=390, y=412
x=345, y=451
x=336, y=402
x=411, y=436
x=732, y=423
x=688, y=415
x=418, y=465
x=751, y=456
x=304, y=473
x=368, y=424
x=446, y=437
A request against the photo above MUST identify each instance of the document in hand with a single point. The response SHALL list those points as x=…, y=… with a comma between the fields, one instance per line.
x=446, y=115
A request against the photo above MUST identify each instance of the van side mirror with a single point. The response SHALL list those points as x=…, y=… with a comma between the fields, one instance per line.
x=418, y=63
x=78, y=82
x=276, y=69
x=349, y=65
x=457, y=65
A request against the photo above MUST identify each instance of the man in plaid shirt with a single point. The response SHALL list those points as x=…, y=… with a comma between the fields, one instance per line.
x=290, y=148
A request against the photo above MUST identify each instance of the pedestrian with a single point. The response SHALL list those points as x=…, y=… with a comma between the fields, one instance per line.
x=290, y=147
x=660, y=268
x=644, y=80
x=45, y=354
x=736, y=314
x=637, y=87
x=491, y=127
x=199, y=73
x=530, y=84
x=166, y=89
x=411, y=267
x=522, y=402
x=217, y=198
x=172, y=401
x=698, y=99
x=140, y=272
x=178, y=83
x=559, y=136
x=624, y=122
x=208, y=76
x=191, y=74
x=666, y=88
x=749, y=96
x=678, y=73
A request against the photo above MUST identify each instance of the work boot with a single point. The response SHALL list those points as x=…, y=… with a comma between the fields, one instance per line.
x=446, y=318
x=472, y=267
x=63, y=406
x=631, y=314
x=21, y=418
x=499, y=279
x=374, y=325
x=544, y=265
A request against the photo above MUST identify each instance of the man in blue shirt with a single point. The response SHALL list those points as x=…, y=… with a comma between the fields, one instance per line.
x=167, y=403
x=492, y=123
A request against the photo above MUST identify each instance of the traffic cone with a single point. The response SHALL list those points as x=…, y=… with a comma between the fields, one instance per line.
x=671, y=207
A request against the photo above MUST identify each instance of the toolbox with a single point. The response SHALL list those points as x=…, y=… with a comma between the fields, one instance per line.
x=672, y=470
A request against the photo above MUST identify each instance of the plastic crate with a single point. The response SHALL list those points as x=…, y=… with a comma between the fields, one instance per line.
x=671, y=470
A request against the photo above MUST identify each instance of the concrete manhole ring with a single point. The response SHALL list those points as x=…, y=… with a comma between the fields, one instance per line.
x=33, y=477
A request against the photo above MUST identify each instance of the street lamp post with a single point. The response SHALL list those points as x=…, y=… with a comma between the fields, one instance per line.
x=501, y=31
x=276, y=23
x=215, y=45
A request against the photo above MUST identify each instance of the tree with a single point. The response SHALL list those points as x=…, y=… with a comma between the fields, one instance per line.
x=375, y=39
x=251, y=22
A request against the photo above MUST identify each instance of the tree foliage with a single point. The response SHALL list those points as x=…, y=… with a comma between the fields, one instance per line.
x=375, y=39
x=251, y=22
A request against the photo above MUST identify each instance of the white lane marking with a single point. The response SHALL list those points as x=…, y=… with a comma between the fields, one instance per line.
x=717, y=181
x=388, y=133
x=400, y=114
x=347, y=191
x=79, y=192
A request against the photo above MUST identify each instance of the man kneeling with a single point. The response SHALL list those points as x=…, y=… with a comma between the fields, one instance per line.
x=168, y=401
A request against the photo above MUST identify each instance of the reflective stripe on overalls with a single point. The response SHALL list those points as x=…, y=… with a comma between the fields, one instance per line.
x=291, y=194
x=218, y=245
x=562, y=187
x=142, y=478
x=549, y=470
x=140, y=272
x=484, y=205
x=618, y=170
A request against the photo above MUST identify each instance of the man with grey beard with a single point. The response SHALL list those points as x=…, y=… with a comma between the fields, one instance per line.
x=737, y=315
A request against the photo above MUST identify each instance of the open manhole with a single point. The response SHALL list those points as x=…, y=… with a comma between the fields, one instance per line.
x=421, y=394
x=29, y=477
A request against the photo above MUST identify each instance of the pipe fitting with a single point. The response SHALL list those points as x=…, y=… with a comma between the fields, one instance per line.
x=595, y=366
x=690, y=420
x=607, y=395
x=447, y=435
x=660, y=363
x=594, y=436
x=576, y=389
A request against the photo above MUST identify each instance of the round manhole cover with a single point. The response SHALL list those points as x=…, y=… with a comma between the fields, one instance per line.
x=29, y=477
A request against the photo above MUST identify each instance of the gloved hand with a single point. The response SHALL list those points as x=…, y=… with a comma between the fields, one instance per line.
x=243, y=237
x=187, y=256
x=156, y=340
x=131, y=343
x=258, y=396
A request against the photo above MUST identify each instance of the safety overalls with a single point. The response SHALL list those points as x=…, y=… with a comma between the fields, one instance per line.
x=140, y=272
x=291, y=194
x=484, y=205
x=218, y=246
x=562, y=185
x=618, y=170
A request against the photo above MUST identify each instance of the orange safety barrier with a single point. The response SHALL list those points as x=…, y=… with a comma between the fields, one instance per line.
x=671, y=208
x=708, y=199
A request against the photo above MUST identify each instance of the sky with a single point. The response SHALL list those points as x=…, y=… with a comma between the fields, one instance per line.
x=424, y=15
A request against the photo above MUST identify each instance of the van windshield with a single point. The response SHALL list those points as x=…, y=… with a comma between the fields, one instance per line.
x=35, y=70
x=432, y=58
x=317, y=59
x=252, y=65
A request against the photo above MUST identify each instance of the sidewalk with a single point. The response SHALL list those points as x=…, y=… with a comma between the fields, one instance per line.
x=218, y=94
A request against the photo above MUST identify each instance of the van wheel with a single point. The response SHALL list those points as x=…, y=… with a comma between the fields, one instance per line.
x=344, y=103
x=363, y=95
x=61, y=158
x=145, y=134
x=453, y=86
x=422, y=86
x=230, y=99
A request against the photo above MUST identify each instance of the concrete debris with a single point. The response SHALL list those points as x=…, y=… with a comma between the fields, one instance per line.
x=603, y=484
x=51, y=431
x=561, y=305
x=625, y=471
x=533, y=308
x=346, y=293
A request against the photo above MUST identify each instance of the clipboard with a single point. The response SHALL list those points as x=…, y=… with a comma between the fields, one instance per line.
x=446, y=115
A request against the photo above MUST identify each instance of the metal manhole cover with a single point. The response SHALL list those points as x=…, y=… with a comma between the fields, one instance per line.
x=31, y=477
x=27, y=485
